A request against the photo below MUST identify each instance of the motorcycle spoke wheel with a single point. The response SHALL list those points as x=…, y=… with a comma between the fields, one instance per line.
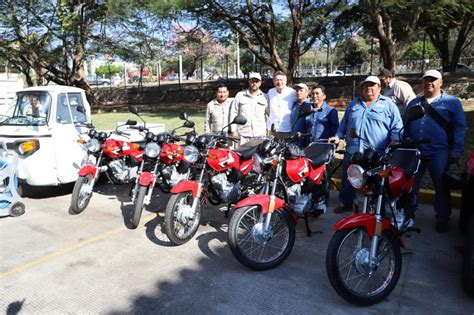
x=82, y=193
x=139, y=206
x=180, y=222
x=347, y=265
x=256, y=249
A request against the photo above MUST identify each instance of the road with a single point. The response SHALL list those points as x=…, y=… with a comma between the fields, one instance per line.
x=53, y=262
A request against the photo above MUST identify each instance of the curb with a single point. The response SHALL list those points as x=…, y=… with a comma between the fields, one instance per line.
x=426, y=195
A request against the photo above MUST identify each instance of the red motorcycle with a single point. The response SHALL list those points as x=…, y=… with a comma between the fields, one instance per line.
x=118, y=159
x=224, y=177
x=363, y=259
x=261, y=232
x=163, y=163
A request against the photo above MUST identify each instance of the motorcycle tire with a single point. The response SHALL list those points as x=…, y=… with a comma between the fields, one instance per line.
x=337, y=263
x=139, y=206
x=467, y=275
x=175, y=218
x=80, y=199
x=245, y=221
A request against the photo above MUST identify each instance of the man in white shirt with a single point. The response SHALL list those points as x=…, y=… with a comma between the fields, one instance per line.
x=399, y=91
x=281, y=99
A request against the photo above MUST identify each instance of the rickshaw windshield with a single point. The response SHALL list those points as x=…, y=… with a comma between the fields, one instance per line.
x=31, y=108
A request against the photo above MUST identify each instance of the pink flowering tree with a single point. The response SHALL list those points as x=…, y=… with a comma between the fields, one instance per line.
x=195, y=45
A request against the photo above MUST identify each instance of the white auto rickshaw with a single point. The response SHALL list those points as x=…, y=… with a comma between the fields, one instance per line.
x=43, y=127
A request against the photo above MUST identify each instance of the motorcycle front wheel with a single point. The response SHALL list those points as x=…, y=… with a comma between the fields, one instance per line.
x=82, y=193
x=347, y=266
x=181, y=222
x=139, y=206
x=258, y=249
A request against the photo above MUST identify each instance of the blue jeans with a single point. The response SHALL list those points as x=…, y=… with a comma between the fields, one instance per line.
x=437, y=165
x=347, y=193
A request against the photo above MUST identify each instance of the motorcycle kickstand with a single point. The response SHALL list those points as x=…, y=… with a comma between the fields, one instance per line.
x=226, y=213
x=309, y=232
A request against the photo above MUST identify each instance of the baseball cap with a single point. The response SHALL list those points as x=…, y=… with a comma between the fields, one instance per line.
x=373, y=79
x=433, y=73
x=385, y=73
x=301, y=86
x=255, y=75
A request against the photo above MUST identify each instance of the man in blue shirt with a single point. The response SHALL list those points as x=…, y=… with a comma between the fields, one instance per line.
x=300, y=125
x=323, y=123
x=440, y=153
x=376, y=119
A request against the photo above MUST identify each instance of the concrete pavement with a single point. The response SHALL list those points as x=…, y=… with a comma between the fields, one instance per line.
x=52, y=262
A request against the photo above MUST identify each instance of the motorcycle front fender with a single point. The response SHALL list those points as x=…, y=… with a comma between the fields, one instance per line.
x=263, y=201
x=366, y=221
x=188, y=185
x=146, y=178
x=88, y=169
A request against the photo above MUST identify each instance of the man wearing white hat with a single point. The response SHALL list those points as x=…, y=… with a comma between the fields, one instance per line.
x=376, y=119
x=253, y=104
x=444, y=123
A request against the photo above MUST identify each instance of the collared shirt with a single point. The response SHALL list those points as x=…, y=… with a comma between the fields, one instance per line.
x=254, y=109
x=323, y=122
x=450, y=108
x=280, y=105
x=300, y=125
x=378, y=123
x=400, y=92
x=217, y=115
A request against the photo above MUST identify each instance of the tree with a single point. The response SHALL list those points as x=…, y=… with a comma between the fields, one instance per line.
x=194, y=45
x=449, y=25
x=277, y=40
x=109, y=70
x=49, y=38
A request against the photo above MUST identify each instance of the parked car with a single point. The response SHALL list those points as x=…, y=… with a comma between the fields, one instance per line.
x=98, y=81
x=336, y=73
x=463, y=68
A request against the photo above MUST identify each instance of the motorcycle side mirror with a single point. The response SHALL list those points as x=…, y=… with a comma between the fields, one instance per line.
x=239, y=120
x=133, y=109
x=183, y=116
x=131, y=122
x=81, y=109
x=353, y=133
x=414, y=113
x=188, y=124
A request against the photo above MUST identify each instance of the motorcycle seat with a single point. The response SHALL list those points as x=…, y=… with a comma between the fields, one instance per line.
x=319, y=153
x=407, y=159
x=248, y=149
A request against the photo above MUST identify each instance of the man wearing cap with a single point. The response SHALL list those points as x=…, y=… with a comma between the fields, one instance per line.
x=302, y=101
x=281, y=99
x=443, y=148
x=324, y=120
x=376, y=119
x=253, y=104
x=400, y=92
x=217, y=111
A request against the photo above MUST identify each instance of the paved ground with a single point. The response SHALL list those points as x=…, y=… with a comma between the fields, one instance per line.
x=52, y=262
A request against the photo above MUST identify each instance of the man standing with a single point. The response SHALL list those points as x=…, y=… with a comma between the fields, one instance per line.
x=217, y=111
x=253, y=104
x=400, y=92
x=444, y=123
x=281, y=99
x=377, y=120
x=302, y=101
x=324, y=121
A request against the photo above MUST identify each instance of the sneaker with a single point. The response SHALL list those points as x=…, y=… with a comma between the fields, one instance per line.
x=342, y=209
x=441, y=227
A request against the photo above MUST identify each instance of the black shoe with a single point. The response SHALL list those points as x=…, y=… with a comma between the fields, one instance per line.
x=441, y=227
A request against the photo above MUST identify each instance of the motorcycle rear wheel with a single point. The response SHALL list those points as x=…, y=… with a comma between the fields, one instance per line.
x=467, y=275
x=254, y=250
x=348, y=270
x=139, y=206
x=180, y=226
x=80, y=197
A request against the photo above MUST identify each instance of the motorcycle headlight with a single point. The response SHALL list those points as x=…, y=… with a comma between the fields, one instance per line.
x=191, y=153
x=93, y=145
x=257, y=163
x=355, y=176
x=152, y=150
